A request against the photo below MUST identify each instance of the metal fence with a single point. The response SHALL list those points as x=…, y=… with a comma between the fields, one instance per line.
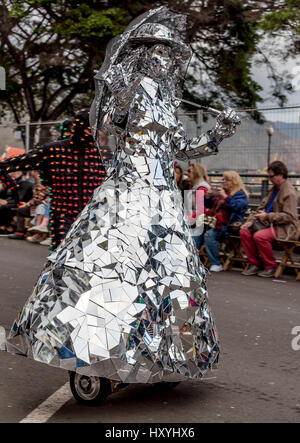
x=249, y=149
x=246, y=151
x=257, y=185
x=28, y=135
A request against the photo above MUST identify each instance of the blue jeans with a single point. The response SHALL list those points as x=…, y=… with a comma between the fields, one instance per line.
x=198, y=239
x=211, y=241
x=47, y=212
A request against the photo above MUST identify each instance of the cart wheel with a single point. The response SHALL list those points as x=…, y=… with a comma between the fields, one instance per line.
x=89, y=391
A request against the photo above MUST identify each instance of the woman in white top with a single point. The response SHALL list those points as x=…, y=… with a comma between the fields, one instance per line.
x=194, y=200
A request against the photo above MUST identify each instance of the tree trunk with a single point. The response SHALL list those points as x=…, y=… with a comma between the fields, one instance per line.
x=45, y=135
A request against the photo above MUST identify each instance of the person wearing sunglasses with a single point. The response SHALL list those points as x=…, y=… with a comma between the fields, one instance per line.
x=278, y=211
x=227, y=205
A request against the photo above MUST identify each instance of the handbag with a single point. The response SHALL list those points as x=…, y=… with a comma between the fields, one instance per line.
x=209, y=221
x=258, y=226
x=204, y=221
x=235, y=227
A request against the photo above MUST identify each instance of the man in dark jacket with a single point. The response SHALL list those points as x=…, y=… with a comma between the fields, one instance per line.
x=72, y=169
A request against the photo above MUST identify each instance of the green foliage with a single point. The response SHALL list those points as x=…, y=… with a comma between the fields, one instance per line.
x=239, y=80
x=283, y=21
x=287, y=17
x=51, y=48
x=227, y=60
x=85, y=22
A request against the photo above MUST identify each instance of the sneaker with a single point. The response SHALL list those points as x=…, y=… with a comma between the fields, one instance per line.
x=252, y=270
x=267, y=273
x=31, y=229
x=16, y=236
x=46, y=242
x=34, y=239
x=216, y=268
x=4, y=232
x=40, y=229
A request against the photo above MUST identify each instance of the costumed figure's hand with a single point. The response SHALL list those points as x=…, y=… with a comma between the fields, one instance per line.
x=207, y=143
x=227, y=123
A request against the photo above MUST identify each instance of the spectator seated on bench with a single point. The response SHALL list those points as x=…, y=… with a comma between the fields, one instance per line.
x=27, y=209
x=276, y=219
x=41, y=225
x=14, y=189
x=227, y=205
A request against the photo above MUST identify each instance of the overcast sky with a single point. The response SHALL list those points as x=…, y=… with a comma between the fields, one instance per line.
x=290, y=115
x=292, y=66
x=260, y=75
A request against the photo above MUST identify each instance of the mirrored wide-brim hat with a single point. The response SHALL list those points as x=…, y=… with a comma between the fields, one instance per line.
x=156, y=33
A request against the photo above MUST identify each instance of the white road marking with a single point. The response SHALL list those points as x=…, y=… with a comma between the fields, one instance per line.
x=49, y=407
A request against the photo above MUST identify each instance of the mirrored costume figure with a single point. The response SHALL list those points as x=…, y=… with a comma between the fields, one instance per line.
x=124, y=295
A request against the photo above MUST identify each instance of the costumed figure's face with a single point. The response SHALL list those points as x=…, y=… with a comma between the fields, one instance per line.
x=81, y=130
x=159, y=61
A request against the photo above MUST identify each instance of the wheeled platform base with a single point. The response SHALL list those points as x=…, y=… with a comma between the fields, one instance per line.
x=93, y=391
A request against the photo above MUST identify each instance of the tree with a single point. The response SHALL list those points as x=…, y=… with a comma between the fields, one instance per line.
x=281, y=30
x=285, y=21
x=50, y=50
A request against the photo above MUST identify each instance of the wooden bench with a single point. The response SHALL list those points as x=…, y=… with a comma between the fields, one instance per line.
x=288, y=257
x=205, y=260
x=234, y=253
x=203, y=256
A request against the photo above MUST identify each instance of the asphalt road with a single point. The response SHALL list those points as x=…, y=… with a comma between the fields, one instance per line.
x=257, y=380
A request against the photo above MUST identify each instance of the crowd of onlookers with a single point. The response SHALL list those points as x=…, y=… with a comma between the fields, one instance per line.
x=24, y=212
x=213, y=213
